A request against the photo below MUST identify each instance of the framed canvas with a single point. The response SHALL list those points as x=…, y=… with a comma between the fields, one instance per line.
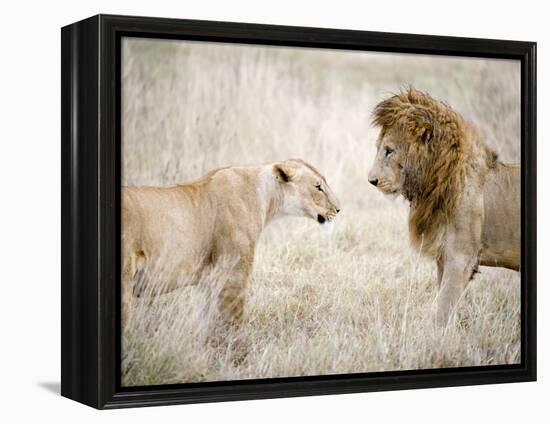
x=201, y=162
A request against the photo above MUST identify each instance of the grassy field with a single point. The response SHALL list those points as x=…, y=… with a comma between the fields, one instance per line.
x=358, y=300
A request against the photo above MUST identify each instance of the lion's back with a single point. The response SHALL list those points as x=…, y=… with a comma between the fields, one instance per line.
x=502, y=217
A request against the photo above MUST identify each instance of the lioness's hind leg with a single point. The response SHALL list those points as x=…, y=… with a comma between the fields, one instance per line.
x=128, y=274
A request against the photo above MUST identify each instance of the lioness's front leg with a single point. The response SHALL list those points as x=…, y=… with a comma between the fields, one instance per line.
x=233, y=256
x=237, y=267
x=231, y=302
x=232, y=294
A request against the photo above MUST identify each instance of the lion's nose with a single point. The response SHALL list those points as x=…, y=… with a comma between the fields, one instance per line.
x=337, y=210
x=374, y=182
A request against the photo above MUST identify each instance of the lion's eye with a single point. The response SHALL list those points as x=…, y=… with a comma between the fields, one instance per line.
x=388, y=151
x=318, y=187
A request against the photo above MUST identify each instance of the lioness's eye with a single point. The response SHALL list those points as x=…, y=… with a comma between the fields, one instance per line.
x=388, y=151
x=318, y=186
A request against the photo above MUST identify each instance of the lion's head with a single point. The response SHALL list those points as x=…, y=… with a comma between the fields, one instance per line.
x=425, y=152
x=305, y=192
x=387, y=171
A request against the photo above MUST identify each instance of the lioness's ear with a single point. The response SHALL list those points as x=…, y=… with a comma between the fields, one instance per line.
x=283, y=172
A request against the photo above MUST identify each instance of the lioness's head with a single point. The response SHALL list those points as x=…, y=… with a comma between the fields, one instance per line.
x=305, y=191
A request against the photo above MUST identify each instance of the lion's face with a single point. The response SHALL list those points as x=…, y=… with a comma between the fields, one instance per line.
x=306, y=192
x=386, y=172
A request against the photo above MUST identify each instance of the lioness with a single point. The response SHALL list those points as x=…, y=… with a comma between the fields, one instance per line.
x=464, y=203
x=220, y=215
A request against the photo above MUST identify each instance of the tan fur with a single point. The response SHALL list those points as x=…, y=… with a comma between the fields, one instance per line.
x=222, y=215
x=464, y=203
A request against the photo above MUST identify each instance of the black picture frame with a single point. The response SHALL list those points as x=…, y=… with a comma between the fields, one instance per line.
x=90, y=222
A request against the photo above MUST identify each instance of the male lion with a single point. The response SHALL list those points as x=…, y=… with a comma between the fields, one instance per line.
x=464, y=203
x=219, y=216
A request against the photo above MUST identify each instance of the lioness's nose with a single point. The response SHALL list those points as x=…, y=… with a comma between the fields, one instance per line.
x=374, y=182
x=337, y=210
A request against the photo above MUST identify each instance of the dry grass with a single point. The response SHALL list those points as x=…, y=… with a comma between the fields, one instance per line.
x=359, y=300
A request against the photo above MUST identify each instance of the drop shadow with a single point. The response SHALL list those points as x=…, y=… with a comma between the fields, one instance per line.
x=51, y=386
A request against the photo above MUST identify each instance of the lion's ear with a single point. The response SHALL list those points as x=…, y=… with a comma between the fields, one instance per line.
x=283, y=172
x=422, y=125
x=426, y=133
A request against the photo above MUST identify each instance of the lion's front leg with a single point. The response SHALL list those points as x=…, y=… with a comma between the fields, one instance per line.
x=460, y=256
x=440, y=269
x=456, y=273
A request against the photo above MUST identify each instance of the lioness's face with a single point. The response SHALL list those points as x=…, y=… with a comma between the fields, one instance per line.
x=386, y=173
x=306, y=192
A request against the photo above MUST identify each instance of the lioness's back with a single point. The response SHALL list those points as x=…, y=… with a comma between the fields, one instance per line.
x=153, y=217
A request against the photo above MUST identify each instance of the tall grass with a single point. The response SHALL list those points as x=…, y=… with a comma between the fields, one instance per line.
x=359, y=300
